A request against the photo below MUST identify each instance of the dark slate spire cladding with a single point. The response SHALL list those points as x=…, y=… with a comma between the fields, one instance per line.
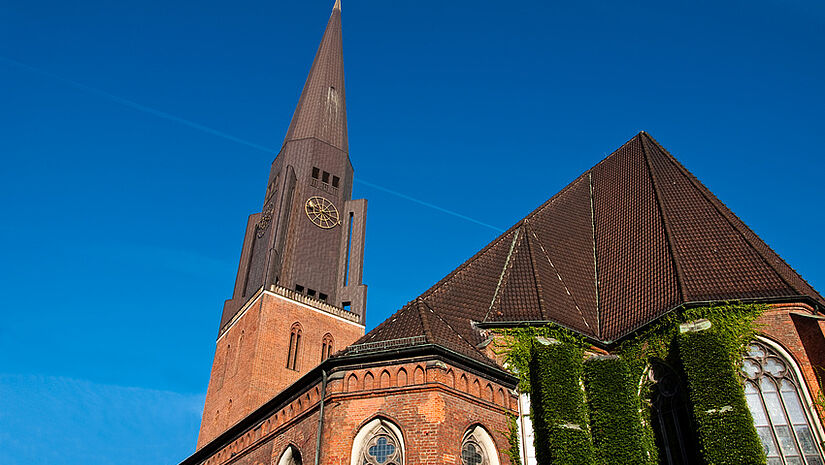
x=321, y=111
x=311, y=175
x=630, y=239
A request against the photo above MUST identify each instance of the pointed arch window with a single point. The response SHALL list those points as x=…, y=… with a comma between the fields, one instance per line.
x=326, y=347
x=291, y=456
x=294, y=347
x=774, y=397
x=478, y=448
x=379, y=442
x=670, y=413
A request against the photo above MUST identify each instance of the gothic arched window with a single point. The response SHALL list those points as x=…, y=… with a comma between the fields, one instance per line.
x=478, y=448
x=773, y=394
x=294, y=347
x=671, y=416
x=291, y=456
x=326, y=347
x=379, y=442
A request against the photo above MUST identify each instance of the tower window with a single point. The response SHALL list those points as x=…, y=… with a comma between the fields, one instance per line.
x=299, y=288
x=294, y=347
x=325, y=178
x=315, y=172
x=326, y=347
x=347, y=306
x=322, y=296
x=335, y=181
x=311, y=292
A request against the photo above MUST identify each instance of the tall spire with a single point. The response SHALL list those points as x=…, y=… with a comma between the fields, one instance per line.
x=321, y=111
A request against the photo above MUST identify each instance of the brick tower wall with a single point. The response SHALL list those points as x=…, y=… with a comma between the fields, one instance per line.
x=250, y=364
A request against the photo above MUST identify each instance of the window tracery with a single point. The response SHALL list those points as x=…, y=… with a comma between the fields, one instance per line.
x=378, y=443
x=478, y=448
x=773, y=394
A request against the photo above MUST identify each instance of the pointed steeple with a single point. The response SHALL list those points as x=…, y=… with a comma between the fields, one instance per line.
x=321, y=111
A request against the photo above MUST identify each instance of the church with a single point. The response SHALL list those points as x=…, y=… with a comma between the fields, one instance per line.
x=600, y=328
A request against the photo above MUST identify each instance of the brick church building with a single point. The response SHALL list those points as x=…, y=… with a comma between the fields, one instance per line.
x=295, y=379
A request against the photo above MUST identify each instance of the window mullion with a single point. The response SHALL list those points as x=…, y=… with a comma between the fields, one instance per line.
x=769, y=419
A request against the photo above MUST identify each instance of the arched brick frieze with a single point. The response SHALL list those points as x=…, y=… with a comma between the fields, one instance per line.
x=418, y=376
x=369, y=381
x=384, y=380
x=401, y=377
x=352, y=383
x=450, y=378
x=501, y=399
x=462, y=384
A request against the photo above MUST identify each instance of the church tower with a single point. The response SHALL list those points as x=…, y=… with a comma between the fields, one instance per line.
x=298, y=294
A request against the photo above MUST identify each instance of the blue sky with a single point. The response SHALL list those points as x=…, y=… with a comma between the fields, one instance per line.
x=136, y=137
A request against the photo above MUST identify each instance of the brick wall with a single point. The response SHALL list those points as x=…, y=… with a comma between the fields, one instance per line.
x=803, y=337
x=426, y=399
x=250, y=364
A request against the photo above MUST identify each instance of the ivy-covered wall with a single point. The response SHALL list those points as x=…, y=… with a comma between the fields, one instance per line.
x=559, y=411
x=615, y=418
x=615, y=404
x=724, y=423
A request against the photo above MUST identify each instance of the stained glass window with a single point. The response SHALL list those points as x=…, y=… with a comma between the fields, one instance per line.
x=478, y=448
x=472, y=454
x=772, y=392
x=383, y=448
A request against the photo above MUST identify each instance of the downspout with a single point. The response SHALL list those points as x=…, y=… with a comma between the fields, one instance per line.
x=321, y=417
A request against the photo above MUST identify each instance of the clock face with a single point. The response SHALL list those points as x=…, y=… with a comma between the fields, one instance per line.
x=322, y=212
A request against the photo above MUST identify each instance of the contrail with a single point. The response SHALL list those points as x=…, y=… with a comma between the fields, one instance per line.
x=215, y=132
x=427, y=204
x=137, y=106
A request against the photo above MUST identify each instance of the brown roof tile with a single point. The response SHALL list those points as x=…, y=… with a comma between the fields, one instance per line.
x=632, y=238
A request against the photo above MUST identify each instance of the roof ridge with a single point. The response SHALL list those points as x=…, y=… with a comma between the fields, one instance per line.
x=677, y=264
x=505, y=270
x=424, y=323
x=592, y=198
x=558, y=274
x=457, y=333
x=440, y=283
x=735, y=222
x=536, y=282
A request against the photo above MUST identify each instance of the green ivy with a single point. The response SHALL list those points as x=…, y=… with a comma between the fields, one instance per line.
x=615, y=420
x=559, y=411
x=733, y=323
x=724, y=424
x=514, y=449
x=516, y=344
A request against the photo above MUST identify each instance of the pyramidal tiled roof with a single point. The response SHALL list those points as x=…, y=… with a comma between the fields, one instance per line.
x=630, y=239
